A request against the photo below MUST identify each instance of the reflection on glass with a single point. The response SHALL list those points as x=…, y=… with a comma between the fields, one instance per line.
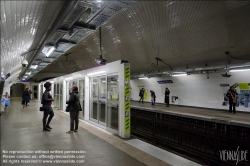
x=94, y=110
x=94, y=88
x=102, y=88
x=113, y=88
x=60, y=96
x=102, y=106
x=112, y=113
x=81, y=95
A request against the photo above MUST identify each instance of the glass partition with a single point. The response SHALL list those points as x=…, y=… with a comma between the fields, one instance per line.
x=113, y=103
x=93, y=99
x=113, y=88
x=81, y=95
x=41, y=91
x=102, y=100
x=60, y=95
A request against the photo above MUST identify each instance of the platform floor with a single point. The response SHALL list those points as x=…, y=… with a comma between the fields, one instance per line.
x=202, y=112
x=21, y=130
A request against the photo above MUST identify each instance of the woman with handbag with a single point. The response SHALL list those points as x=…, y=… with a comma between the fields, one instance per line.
x=73, y=108
x=48, y=111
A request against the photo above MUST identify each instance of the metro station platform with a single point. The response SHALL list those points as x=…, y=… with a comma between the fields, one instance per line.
x=21, y=130
x=197, y=113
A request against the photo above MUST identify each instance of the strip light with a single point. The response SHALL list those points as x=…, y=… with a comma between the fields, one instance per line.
x=33, y=66
x=143, y=78
x=237, y=70
x=98, y=72
x=69, y=78
x=177, y=75
x=50, y=51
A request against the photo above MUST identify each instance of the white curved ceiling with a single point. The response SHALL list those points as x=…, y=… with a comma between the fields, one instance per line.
x=182, y=33
x=23, y=25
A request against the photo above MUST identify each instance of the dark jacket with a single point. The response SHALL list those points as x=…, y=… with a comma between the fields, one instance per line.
x=231, y=94
x=153, y=95
x=167, y=93
x=141, y=93
x=26, y=96
x=47, y=98
x=74, y=101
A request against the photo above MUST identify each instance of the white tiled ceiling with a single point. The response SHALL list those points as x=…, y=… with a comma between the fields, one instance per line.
x=23, y=25
x=182, y=33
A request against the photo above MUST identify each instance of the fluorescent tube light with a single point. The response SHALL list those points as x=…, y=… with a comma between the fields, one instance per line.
x=69, y=78
x=33, y=66
x=50, y=51
x=104, y=81
x=143, y=78
x=237, y=70
x=94, y=73
x=176, y=75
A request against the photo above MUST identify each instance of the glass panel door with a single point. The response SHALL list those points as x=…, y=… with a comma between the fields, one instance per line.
x=102, y=100
x=61, y=95
x=81, y=95
x=93, y=99
x=112, y=104
x=41, y=92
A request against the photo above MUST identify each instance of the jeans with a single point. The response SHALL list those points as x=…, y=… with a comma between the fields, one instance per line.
x=48, y=112
x=74, y=120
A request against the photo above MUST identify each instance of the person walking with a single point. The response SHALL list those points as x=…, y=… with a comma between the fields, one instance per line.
x=167, y=92
x=25, y=97
x=152, y=97
x=48, y=111
x=141, y=94
x=232, y=96
x=74, y=108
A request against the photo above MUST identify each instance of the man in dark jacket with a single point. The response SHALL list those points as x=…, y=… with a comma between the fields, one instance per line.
x=167, y=92
x=152, y=97
x=75, y=107
x=141, y=94
x=47, y=101
x=232, y=96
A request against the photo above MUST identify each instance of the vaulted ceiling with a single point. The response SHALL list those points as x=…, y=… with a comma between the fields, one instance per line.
x=181, y=33
x=23, y=25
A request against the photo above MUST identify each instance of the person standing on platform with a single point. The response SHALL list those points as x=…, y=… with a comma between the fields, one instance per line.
x=152, y=97
x=232, y=96
x=48, y=111
x=74, y=108
x=25, y=97
x=141, y=94
x=167, y=92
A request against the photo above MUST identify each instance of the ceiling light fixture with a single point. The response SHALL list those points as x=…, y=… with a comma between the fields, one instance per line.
x=69, y=78
x=98, y=72
x=50, y=51
x=33, y=66
x=143, y=78
x=238, y=70
x=177, y=75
